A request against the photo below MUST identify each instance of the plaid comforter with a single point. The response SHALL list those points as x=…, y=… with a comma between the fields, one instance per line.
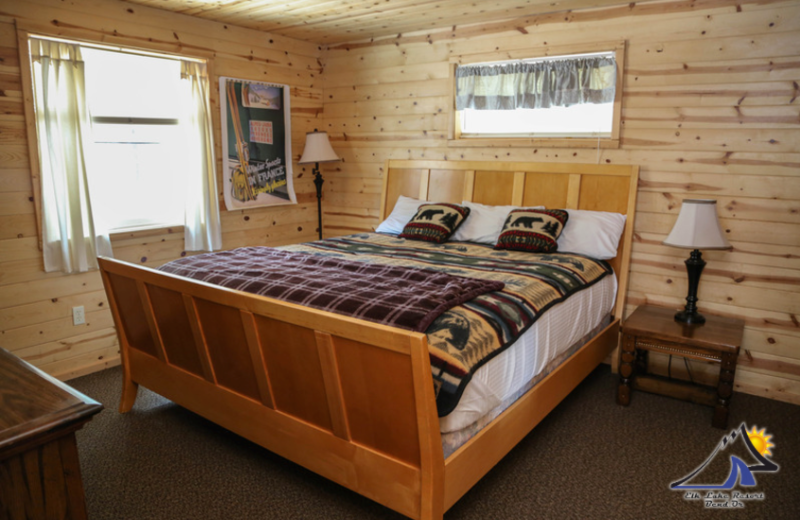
x=405, y=297
x=468, y=335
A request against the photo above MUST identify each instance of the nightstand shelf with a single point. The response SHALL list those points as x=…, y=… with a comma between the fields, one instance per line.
x=653, y=329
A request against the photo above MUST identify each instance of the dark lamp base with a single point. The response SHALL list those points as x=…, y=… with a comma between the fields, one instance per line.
x=694, y=266
x=690, y=318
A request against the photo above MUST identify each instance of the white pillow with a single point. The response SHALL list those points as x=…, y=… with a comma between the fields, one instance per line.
x=592, y=233
x=404, y=210
x=484, y=223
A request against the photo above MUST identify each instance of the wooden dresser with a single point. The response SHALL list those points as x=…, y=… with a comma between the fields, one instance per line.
x=40, y=475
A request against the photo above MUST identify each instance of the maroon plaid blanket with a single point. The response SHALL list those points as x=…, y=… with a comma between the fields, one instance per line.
x=399, y=296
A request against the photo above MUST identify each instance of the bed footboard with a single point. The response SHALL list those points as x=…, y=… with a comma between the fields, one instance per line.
x=347, y=399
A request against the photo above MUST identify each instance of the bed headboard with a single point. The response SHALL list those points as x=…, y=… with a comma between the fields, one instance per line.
x=597, y=187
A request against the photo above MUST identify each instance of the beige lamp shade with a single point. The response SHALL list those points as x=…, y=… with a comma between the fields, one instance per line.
x=318, y=149
x=698, y=227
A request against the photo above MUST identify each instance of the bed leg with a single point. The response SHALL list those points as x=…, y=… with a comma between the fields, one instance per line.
x=129, y=391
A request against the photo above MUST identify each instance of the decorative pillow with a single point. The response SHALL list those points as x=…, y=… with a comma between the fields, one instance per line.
x=592, y=233
x=435, y=222
x=484, y=223
x=404, y=209
x=532, y=230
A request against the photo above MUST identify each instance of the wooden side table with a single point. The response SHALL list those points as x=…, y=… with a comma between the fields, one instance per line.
x=653, y=329
x=40, y=475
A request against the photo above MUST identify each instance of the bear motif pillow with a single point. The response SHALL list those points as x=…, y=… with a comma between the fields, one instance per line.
x=435, y=222
x=532, y=230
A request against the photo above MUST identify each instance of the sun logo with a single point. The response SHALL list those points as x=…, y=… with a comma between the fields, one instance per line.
x=760, y=440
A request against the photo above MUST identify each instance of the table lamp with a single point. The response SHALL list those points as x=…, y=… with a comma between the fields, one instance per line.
x=318, y=149
x=697, y=228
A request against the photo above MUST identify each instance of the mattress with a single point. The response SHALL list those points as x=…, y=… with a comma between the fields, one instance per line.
x=551, y=335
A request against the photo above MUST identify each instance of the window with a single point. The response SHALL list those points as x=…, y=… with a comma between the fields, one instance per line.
x=125, y=141
x=135, y=172
x=574, y=121
x=570, y=99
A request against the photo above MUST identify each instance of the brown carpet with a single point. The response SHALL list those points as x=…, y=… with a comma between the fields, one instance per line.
x=588, y=459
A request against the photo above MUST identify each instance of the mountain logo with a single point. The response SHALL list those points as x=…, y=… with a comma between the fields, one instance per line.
x=739, y=444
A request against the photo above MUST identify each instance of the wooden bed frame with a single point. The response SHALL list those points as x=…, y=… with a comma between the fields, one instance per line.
x=348, y=399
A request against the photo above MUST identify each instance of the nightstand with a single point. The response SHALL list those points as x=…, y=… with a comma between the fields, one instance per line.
x=654, y=329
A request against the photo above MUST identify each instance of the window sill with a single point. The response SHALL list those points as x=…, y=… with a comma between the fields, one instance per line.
x=143, y=232
x=527, y=142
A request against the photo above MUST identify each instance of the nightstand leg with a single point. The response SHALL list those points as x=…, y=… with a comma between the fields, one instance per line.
x=626, y=370
x=724, y=391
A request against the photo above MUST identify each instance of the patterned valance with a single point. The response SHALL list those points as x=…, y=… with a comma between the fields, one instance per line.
x=539, y=84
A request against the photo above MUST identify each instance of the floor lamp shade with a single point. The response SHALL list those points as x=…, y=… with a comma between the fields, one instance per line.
x=318, y=149
x=697, y=228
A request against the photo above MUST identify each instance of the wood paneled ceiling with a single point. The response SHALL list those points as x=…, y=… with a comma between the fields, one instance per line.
x=340, y=21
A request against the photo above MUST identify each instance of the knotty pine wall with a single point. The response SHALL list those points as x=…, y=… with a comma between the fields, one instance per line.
x=35, y=307
x=711, y=110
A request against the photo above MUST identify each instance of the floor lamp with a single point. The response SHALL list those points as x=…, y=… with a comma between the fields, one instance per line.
x=697, y=228
x=318, y=150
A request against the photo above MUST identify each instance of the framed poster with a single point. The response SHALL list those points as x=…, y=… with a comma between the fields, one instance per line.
x=256, y=144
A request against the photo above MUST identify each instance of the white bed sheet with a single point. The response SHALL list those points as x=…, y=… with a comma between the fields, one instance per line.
x=554, y=331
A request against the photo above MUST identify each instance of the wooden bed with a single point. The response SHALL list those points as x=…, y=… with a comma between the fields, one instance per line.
x=304, y=383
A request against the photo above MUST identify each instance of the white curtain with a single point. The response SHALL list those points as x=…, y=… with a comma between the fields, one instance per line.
x=202, y=228
x=70, y=239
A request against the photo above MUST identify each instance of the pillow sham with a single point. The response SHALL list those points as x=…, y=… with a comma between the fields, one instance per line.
x=532, y=230
x=404, y=209
x=592, y=233
x=435, y=222
x=484, y=223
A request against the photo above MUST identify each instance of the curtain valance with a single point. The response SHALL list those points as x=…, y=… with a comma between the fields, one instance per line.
x=54, y=50
x=539, y=84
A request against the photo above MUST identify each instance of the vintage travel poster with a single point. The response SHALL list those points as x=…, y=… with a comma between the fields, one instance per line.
x=256, y=144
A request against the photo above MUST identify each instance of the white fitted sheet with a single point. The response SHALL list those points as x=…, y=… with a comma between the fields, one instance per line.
x=554, y=331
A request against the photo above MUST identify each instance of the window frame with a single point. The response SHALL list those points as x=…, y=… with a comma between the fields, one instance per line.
x=455, y=139
x=25, y=32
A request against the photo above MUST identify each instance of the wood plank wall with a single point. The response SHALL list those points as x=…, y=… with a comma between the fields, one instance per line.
x=711, y=110
x=35, y=307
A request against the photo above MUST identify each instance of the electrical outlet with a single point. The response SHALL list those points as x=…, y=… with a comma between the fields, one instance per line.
x=78, y=315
